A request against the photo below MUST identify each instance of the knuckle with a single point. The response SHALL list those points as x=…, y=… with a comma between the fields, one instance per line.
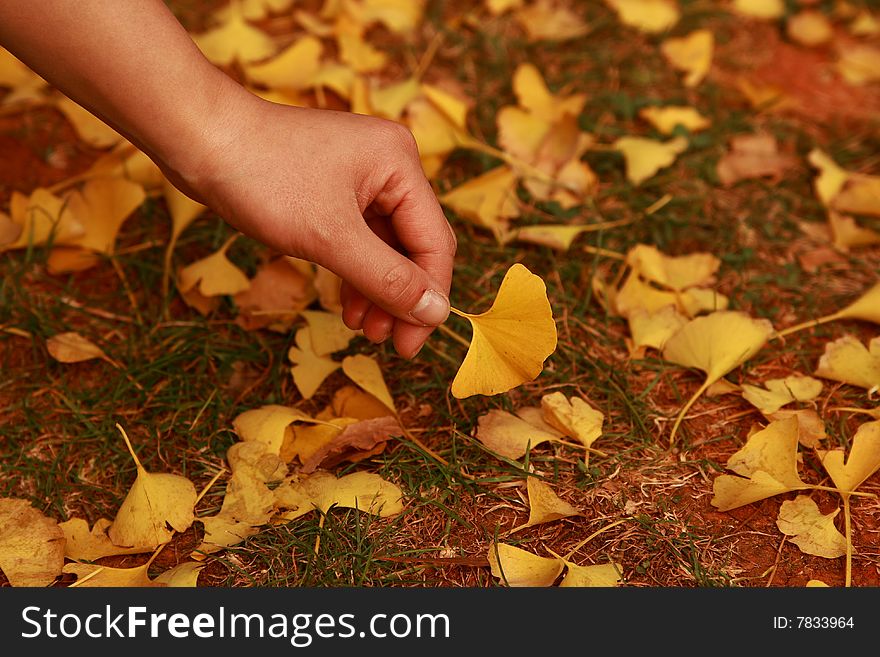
x=398, y=285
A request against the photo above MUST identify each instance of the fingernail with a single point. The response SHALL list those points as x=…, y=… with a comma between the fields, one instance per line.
x=431, y=310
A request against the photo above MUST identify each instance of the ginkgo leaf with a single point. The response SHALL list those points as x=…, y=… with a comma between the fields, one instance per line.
x=573, y=417
x=215, y=274
x=294, y=68
x=866, y=307
x=41, y=217
x=667, y=119
x=809, y=28
x=182, y=208
x=816, y=583
x=520, y=132
x=673, y=272
x=321, y=490
x=559, y=237
x=391, y=101
x=516, y=567
x=270, y=425
x=25, y=85
x=691, y=54
x=276, y=296
x=848, y=360
x=635, y=294
x=860, y=194
x=653, y=329
x=342, y=439
x=859, y=64
x=71, y=347
x=863, y=460
x=600, y=575
x=254, y=10
x=767, y=465
x=550, y=20
x=497, y=7
x=545, y=505
x=399, y=16
x=248, y=503
x=183, y=575
x=102, y=206
x=89, y=127
x=453, y=106
x=154, y=502
x=511, y=436
x=763, y=9
x=434, y=131
x=649, y=16
x=489, y=200
x=31, y=545
x=847, y=233
x=831, y=178
x=235, y=40
x=645, y=157
x=328, y=286
x=715, y=344
x=367, y=374
x=349, y=401
x=84, y=545
x=95, y=576
x=310, y=369
x=812, y=531
x=533, y=95
x=779, y=392
x=511, y=340
x=752, y=156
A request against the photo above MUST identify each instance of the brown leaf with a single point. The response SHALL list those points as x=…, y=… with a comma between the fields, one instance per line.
x=326, y=446
x=277, y=294
x=752, y=156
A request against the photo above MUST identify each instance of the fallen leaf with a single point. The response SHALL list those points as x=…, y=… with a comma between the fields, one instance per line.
x=811, y=427
x=767, y=465
x=859, y=64
x=39, y=218
x=715, y=344
x=321, y=490
x=653, y=329
x=95, y=576
x=92, y=130
x=84, y=545
x=848, y=360
x=516, y=567
x=550, y=20
x=214, y=275
x=489, y=200
x=277, y=294
x=752, y=156
x=270, y=425
x=24, y=84
x=511, y=340
x=254, y=10
x=234, y=40
x=673, y=272
x=650, y=16
x=809, y=28
x=779, y=392
x=349, y=401
x=600, y=575
x=71, y=347
x=762, y=9
x=31, y=545
x=573, y=417
x=545, y=505
x=511, y=436
x=635, y=294
x=183, y=575
x=847, y=233
x=367, y=374
x=691, y=54
x=645, y=157
x=342, y=439
x=667, y=119
x=533, y=95
x=154, y=502
x=813, y=532
x=863, y=460
x=309, y=370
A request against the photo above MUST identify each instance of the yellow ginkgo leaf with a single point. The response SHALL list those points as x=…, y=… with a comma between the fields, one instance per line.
x=183, y=575
x=248, y=503
x=435, y=132
x=691, y=54
x=255, y=10
x=90, y=128
x=399, y=16
x=71, y=347
x=367, y=374
x=84, y=545
x=811, y=427
x=865, y=24
x=39, y=218
x=182, y=208
x=831, y=178
x=673, y=272
x=310, y=369
x=215, y=274
x=95, y=576
x=752, y=156
x=846, y=233
x=511, y=436
x=270, y=425
x=292, y=69
x=154, y=502
x=235, y=40
x=391, y=101
x=520, y=132
x=645, y=157
x=31, y=545
x=666, y=119
x=349, y=401
x=498, y=7
x=555, y=236
x=816, y=583
x=516, y=567
x=649, y=16
x=329, y=333
x=763, y=9
x=715, y=344
x=25, y=85
x=551, y=21
x=809, y=28
x=860, y=194
x=489, y=200
x=342, y=439
x=601, y=575
x=454, y=107
x=359, y=54
x=533, y=95
x=511, y=340
x=573, y=417
x=779, y=392
x=863, y=460
x=767, y=465
x=859, y=64
x=653, y=329
x=635, y=294
x=545, y=505
x=848, y=360
x=364, y=491
x=812, y=531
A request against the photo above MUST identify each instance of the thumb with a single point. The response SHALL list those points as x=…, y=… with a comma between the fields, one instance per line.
x=391, y=280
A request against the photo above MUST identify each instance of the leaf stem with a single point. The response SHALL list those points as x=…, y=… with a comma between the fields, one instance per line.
x=808, y=324
x=137, y=461
x=848, y=528
x=842, y=493
x=686, y=408
x=592, y=536
x=452, y=334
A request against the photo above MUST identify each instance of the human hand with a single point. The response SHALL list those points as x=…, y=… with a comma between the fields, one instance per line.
x=343, y=190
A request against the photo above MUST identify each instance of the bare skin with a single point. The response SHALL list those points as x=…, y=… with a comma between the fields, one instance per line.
x=342, y=190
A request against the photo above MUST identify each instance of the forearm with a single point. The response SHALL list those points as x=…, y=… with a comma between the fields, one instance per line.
x=131, y=63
